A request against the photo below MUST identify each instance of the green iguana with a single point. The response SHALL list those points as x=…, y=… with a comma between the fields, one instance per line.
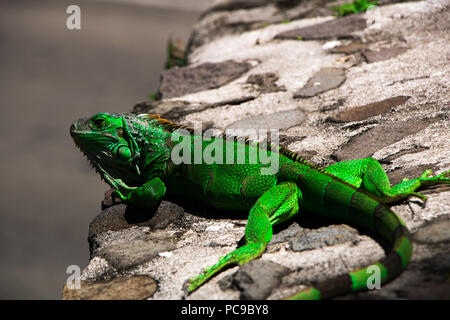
x=135, y=155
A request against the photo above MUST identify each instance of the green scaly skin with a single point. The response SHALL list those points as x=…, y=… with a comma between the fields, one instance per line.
x=133, y=154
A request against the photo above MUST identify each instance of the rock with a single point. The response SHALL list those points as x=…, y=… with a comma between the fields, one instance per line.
x=181, y=81
x=428, y=291
x=333, y=105
x=279, y=120
x=439, y=264
x=325, y=236
x=229, y=5
x=370, y=110
x=118, y=217
x=122, y=216
x=120, y=288
x=161, y=106
x=127, y=254
x=325, y=79
x=302, y=239
x=167, y=213
x=110, y=200
x=413, y=149
x=255, y=279
x=234, y=17
x=354, y=46
x=291, y=232
x=265, y=82
x=178, y=112
x=372, y=140
x=437, y=231
x=383, y=54
x=337, y=28
x=285, y=140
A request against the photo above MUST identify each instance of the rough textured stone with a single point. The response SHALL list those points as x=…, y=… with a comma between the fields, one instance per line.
x=383, y=54
x=280, y=120
x=177, y=81
x=351, y=47
x=167, y=213
x=256, y=279
x=367, y=143
x=128, y=254
x=178, y=112
x=233, y=17
x=122, y=216
x=325, y=236
x=265, y=82
x=291, y=232
x=325, y=79
x=370, y=110
x=429, y=291
x=301, y=239
x=120, y=288
x=438, y=264
x=119, y=217
x=413, y=149
x=336, y=28
x=229, y=5
x=434, y=232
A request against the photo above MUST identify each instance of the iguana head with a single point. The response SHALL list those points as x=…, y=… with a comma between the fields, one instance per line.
x=105, y=140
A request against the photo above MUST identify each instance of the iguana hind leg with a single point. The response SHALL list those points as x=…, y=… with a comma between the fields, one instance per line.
x=276, y=205
x=369, y=175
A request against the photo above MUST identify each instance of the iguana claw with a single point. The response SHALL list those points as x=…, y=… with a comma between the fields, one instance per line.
x=118, y=194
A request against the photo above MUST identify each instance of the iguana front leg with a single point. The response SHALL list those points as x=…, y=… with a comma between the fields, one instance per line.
x=276, y=205
x=147, y=196
x=369, y=175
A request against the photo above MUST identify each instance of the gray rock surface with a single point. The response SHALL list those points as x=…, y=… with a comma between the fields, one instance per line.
x=228, y=17
x=256, y=279
x=120, y=288
x=325, y=79
x=130, y=253
x=370, y=110
x=180, y=81
x=265, y=82
x=393, y=108
x=365, y=144
x=279, y=120
x=325, y=236
x=434, y=232
x=383, y=53
x=336, y=28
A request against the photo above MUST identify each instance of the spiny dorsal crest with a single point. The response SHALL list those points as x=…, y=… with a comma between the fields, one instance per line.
x=171, y=126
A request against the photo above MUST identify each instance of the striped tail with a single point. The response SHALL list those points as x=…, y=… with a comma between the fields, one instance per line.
x=366, y=211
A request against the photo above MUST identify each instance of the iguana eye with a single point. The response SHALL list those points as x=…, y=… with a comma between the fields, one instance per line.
x=99, y=122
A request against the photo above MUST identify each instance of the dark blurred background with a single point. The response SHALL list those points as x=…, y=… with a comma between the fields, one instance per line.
x=49, y=77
